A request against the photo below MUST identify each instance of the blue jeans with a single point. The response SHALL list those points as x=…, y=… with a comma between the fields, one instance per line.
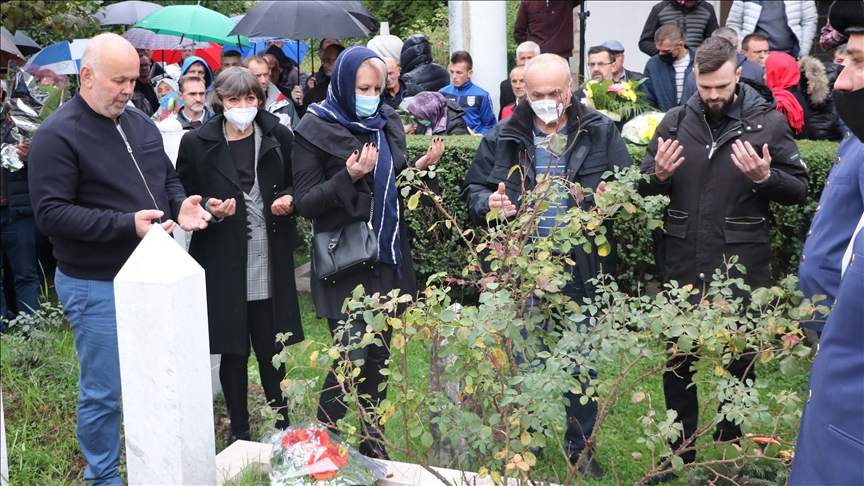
x=89, y=306
x=18, y=244
x=580, y=418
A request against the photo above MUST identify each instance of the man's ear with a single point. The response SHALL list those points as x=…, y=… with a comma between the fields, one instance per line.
x=470, y=73
x=87, y=76
x=737, y=74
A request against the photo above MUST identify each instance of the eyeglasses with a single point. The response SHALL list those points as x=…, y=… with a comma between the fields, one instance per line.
x=592, y=65
x=329, y=60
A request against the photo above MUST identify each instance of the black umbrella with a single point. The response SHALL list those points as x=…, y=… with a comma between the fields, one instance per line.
x=296, y=19
x=24, y=44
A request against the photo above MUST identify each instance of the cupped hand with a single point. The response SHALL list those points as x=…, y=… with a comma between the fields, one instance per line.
x=667, y=159
x=433, y=154
x=283, y=206
x=499, y=199
x=362, y=162
x=221, y=209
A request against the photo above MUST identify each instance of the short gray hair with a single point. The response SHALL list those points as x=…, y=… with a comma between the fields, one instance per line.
x=726, y=33
x=528, y=46
x=94, y=54
x=547, y=60
x=377, y=64
x=235, y=81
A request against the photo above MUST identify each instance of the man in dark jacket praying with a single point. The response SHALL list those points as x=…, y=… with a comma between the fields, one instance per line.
x=99, y=179
x=720, y=174
x=594, y=146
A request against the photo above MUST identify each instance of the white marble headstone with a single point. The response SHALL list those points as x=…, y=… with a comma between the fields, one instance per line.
x=165, y=365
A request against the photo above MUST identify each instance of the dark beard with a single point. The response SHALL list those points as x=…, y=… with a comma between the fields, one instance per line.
x=718, y=112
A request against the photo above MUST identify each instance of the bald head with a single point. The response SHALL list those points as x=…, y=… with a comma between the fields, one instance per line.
x=109, y=68
x=548, y=67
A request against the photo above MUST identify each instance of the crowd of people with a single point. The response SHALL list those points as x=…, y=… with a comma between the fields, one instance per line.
x=266, y=143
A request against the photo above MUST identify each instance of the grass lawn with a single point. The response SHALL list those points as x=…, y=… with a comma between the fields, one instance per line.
x=39, y=379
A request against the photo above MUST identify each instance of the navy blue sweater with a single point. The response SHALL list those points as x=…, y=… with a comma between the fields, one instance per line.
x=85, y=187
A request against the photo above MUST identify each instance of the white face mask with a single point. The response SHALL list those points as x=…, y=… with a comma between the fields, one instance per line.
x=547, y=110
x=241, y=118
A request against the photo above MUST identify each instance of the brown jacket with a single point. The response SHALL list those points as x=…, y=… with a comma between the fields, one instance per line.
x=549, y=23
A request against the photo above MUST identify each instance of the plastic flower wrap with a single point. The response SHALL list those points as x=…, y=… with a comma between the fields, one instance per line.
x=640, y=130
x=618, y=101
x=28, y=106
x=309, y=454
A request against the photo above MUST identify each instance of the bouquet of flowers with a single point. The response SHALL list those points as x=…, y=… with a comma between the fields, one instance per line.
x=30, y=103
x=640, y=130
x=618, y=101
x=309, y=454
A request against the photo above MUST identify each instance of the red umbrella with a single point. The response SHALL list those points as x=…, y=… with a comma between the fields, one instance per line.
x=212, y=56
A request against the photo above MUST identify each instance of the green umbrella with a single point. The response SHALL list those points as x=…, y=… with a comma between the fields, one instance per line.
x=193, y=22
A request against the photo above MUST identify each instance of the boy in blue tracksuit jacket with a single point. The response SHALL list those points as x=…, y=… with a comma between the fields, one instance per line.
x=479, y=115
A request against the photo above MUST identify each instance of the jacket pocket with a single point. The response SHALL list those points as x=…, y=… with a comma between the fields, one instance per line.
x=854, y=441
x=594, y=162
x=746, y=229
x=676, y=223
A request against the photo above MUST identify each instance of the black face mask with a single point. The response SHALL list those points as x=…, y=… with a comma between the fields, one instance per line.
x=845, y=103
x=668, y=58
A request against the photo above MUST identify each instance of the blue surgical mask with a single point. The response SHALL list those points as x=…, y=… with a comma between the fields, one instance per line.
x=366, y=106
x=425, y=123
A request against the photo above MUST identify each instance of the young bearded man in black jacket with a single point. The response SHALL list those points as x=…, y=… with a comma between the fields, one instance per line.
x=99, y=178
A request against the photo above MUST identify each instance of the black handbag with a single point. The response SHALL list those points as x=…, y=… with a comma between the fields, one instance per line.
x=343, y=252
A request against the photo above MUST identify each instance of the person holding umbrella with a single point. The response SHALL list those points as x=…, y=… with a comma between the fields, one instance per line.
x=347, y=154
x=240, y=162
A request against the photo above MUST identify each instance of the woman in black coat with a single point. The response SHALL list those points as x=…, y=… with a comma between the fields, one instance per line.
x=340, y=143
x=240, y=162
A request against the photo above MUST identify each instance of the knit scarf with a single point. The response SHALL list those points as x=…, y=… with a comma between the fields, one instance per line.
x=339, y=107
x=781, y=72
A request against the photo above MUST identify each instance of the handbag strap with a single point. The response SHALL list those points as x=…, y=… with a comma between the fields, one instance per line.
x=371, y=213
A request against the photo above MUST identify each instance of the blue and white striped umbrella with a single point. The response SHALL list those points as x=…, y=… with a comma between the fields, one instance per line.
x=62, y=58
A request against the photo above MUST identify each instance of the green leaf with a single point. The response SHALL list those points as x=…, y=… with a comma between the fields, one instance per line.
x=426, y=439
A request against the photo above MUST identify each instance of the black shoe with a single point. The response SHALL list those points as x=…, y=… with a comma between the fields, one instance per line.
x=588, y=467
x=374, y=451
x=242, y=436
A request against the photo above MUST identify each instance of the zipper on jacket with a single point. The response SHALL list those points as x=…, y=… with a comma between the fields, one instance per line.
x=711, y=134
x=129, y=149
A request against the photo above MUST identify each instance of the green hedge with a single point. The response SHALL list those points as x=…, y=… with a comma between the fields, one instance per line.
x=441, y=250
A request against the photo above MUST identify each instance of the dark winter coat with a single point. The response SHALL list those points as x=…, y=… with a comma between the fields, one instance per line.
x=205, y=167
x=596, y=147
x=817, y=81
x=325, y=195
x=17, y=189
x=549, y=23
x=696, y=25
x=456, y=120
x=715, y=211
x=660, y=89
x=417, y=65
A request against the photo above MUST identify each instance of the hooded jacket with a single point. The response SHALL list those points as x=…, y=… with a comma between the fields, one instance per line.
x=417, y=65
x=595, y=145
x=817, y=81
x=696, y=25
x=801, y=16
x=208, y=73
x=715, y=211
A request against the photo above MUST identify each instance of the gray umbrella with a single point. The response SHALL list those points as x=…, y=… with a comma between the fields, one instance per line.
x=126, y=13
x=293, y=19
x=26, y=45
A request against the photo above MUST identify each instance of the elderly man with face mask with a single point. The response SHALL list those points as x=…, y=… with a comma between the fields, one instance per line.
x=99, y=179
x=721, y=159
x=594, y=146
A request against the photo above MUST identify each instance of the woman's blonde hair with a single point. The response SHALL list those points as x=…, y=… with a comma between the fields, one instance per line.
x=377, y=64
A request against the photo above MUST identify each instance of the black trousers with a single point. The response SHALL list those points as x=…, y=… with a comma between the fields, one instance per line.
x=233, y=372
x=685, y=400
x=331, y=406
